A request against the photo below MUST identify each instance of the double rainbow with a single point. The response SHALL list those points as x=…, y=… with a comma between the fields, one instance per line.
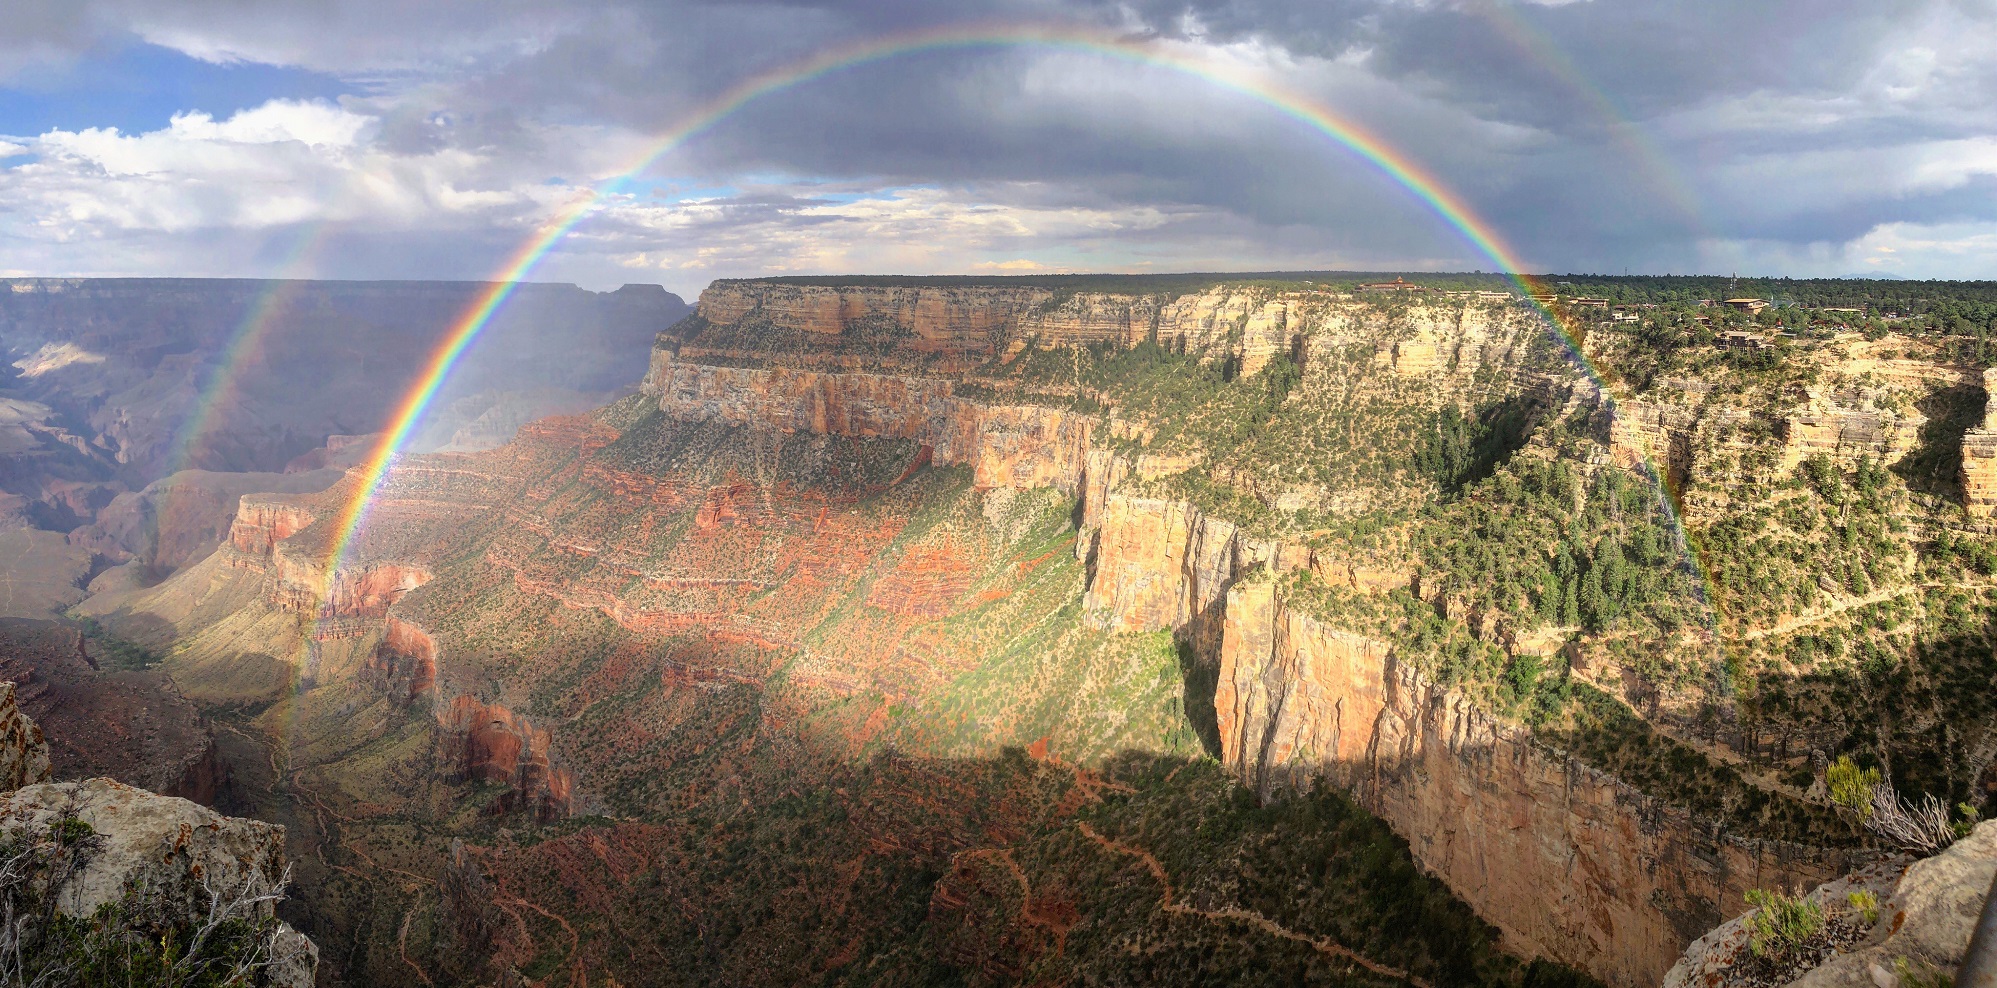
x=1366, y=146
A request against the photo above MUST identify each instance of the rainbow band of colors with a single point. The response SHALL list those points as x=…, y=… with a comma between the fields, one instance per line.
x=1366, y=146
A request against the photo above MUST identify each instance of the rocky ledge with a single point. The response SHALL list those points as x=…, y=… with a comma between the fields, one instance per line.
x=1916, y=934
x=162, y=862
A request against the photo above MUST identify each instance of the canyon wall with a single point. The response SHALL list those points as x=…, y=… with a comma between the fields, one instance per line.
x=1567, y=861
x=1979, y=456
x=949, y=328
x=489, y=742
x=1679, y=423
x=1006, y=445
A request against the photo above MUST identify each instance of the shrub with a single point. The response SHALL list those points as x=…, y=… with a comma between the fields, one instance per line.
x=1781, y=923
x=1921, y=827
x=1851, y=786
x=126, y=942
x=1866, y=903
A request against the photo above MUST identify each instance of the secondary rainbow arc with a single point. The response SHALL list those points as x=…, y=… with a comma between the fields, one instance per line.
x=1388, y=161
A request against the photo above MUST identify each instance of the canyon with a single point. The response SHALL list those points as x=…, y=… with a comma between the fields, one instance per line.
x=134, y=411
x=1012, y=584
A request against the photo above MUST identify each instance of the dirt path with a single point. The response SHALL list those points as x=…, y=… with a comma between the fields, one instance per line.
x=402, y=946
x=578, y=977
x=1787, y=625
x=1169, y=903
x=1852, y=603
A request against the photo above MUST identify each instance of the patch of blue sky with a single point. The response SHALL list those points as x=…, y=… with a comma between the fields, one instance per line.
x=139, y=87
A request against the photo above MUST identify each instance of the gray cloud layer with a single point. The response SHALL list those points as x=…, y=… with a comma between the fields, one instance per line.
x=1662, y=135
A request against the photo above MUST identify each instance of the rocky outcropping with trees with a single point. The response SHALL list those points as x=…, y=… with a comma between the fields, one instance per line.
x=104, y=883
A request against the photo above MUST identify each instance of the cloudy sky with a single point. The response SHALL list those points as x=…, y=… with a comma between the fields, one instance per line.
x=395, y=138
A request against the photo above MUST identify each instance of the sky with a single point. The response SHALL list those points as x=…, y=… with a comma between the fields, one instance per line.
x=396, y=139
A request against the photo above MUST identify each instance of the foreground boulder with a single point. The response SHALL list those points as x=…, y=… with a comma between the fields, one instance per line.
x=1925, y=914
x=122, y=868
x=161, y=862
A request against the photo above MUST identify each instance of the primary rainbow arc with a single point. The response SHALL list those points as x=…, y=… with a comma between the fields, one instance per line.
x=1370, y=148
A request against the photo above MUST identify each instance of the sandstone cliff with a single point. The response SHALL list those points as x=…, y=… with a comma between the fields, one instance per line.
x=1979, y=456
x=1006, y=445
x=1565, y=859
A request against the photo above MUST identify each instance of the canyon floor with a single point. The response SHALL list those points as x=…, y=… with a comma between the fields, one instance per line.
x=1127, y=632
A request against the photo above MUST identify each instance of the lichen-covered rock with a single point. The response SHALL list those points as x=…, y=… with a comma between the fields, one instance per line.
x=170, y=851
x=1927, y=911
x=24, y=755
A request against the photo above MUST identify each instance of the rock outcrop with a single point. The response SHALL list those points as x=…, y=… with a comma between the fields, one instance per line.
x=1161, y=564
x=157, y=856
x=1566, y=860
x=24, y=754
x=1927, y=911
x=487, y=741
x=171, y=853
x=1979, y=456
x=1006, y=445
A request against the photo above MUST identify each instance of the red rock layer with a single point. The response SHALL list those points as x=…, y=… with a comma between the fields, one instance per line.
x=1005, y=445
x=261, y=523
x=490, y=742
x=404, y=664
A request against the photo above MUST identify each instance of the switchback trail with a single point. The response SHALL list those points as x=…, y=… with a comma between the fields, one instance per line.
x=1169, y=903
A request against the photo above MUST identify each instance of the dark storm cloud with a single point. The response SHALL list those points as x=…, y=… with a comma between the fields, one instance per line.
x=1594, y=134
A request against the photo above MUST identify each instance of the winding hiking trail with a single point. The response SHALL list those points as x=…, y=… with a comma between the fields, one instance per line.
x=1168, y=902
x=1837, y=607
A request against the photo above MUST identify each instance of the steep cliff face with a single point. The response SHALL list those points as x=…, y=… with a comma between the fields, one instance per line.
x=404, y=664
x=182, y=517
x=1007, y=445
x=1679, y=417
x=1161, y=564
x=261, y=522
x=950, y=329
x=1979, y=456
x=1568, y=861
x=489, y=742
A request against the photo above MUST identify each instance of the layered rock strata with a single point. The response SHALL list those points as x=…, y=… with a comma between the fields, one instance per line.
x=494, y=744
x=1567, y=861
x=24, y=753
x=1006, y=445
x=1979, y=457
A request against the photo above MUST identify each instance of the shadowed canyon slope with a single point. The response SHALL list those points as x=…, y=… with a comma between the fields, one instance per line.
x=126, y=404
x=1006, y=632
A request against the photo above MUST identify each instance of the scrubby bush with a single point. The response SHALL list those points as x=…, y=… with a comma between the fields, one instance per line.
x=128, y=942
x=1781, y=923
x=1851, y=786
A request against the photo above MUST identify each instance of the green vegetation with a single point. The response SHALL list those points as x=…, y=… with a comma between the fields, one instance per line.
x=226, y=940
x=1866, y=903
x=1921, y=974
x=1851, y=786
x=1781, y=924
x=114, y=654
